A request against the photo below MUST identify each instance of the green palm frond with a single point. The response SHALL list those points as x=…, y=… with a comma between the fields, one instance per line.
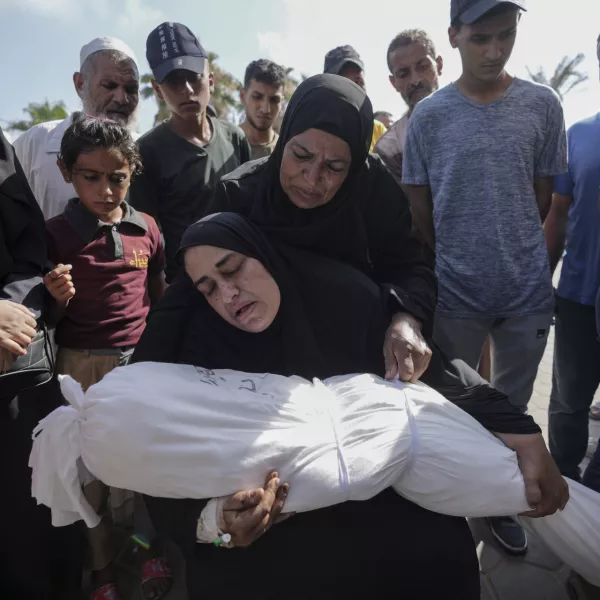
x=40, y=113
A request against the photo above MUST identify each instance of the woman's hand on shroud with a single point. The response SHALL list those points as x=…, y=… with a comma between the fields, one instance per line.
x=248, y=515
x=545, y=488
x=405, y=350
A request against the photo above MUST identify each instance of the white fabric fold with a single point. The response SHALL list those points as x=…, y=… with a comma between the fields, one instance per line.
x=58, y=476
x=181, y=432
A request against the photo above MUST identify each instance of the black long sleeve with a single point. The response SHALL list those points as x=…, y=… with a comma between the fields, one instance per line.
x=22, y=235
x=396, y=254
x=176, y=519
x=463, y=386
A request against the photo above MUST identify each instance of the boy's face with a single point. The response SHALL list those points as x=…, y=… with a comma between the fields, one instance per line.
x=486, y=46
x=101, y=179
x=186, y=93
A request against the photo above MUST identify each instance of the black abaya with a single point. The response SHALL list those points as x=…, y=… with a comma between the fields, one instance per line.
x=353, y=550
x=37, y=561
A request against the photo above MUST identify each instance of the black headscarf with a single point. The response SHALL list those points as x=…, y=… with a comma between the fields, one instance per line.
x=315, y=334
x=337, y=106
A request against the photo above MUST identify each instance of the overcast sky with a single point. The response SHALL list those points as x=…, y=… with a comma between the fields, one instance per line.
x=42, y=38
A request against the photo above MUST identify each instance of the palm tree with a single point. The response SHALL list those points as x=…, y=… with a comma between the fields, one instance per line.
x=40, y=113
x=225, y=98
x=566, y=76
x=148, y=92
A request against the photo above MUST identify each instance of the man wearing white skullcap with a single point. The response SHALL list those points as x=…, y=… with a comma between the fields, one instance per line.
x=108, y=84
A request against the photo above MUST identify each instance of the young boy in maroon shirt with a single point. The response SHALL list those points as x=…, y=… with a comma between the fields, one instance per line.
x=109, y=271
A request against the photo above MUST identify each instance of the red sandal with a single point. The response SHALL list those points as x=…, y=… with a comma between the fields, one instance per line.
x=106, y=592
x=155, y=568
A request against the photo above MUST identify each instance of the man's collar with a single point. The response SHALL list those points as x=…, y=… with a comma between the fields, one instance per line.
x=55, y=138
x=215, y=132
x=86, y=225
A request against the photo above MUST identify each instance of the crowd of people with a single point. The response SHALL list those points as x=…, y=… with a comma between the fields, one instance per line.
x=364, y=245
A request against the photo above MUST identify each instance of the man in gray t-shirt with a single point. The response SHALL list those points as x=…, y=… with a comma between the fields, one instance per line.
x=478, y=166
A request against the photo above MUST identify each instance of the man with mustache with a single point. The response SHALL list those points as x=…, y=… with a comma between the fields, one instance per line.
x=108, y=84
x=185, y=156
x=415, y=69
x=478, y=168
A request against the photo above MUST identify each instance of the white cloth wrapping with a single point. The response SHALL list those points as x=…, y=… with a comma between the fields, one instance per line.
x=181, y=432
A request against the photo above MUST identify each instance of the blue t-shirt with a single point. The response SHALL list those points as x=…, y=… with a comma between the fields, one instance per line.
x=580, y=277
x=481, y=162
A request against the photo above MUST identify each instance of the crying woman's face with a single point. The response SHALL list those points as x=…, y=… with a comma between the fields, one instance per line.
x=239, y=288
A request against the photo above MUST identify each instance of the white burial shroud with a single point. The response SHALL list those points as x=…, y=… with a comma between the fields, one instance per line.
x=178, y=431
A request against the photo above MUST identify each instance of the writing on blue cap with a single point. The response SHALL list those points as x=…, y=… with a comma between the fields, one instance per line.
x=164, y=44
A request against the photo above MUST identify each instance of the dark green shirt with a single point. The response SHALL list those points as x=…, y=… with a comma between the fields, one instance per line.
x=179, y=178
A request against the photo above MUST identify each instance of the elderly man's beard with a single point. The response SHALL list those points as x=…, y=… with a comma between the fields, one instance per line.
x=114, y=111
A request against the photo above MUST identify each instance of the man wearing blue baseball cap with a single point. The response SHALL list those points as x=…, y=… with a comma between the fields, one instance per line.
x=185, y=156
x=483, y=152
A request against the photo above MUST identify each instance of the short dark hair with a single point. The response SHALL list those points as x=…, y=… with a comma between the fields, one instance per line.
x=86, y=134
x=382, y=113
x=408, y=37
x=505, y=7
x=265, y=71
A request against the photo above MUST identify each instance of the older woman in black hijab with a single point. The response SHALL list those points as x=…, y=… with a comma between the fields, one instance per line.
x=288, y=311
x=321, y=190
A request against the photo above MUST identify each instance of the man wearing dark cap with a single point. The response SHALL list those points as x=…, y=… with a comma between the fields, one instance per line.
x=479, y=163
x=183, y=157
x=346, y=62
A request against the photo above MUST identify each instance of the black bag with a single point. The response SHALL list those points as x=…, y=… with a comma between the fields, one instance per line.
x=33, y=369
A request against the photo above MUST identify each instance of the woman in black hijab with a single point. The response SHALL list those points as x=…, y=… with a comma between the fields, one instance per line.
x=321, y=190
x=331, y=320
x=306, y=337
